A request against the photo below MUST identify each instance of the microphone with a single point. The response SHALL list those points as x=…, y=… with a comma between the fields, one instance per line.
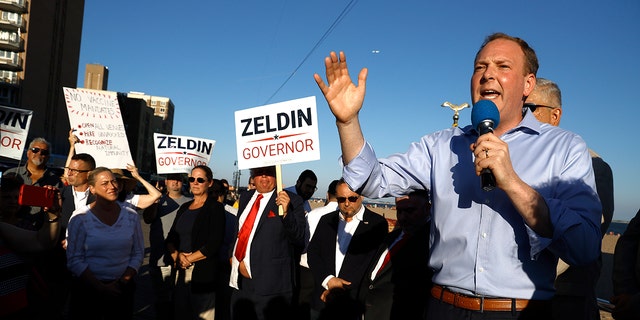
x=485, y=117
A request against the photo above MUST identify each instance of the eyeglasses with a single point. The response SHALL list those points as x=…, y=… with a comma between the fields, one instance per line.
x=351, y=199
x=45, y=152
x=76, y=170
x=200, y=180
x=533, y=106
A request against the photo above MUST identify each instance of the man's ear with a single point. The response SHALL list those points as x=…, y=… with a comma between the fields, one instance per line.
x=529, y=84
x=556, y=114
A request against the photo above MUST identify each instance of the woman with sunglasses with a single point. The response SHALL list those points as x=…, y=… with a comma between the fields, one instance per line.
x=193, y=243
x=105, y=248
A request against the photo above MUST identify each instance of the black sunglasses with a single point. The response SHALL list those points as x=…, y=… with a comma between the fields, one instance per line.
x=200, y=180
x=533, y=106
x=263, y=172
x=351, y=199
x=45, y=152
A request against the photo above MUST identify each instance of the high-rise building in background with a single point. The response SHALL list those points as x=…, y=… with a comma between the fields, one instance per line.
x=96, y=76
x=143, y=115
x=39, y=54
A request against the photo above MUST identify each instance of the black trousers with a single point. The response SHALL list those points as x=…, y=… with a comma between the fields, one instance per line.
x=247, y=305
x=88, y=303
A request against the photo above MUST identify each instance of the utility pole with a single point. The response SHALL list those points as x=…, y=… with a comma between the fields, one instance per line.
x=236, y=178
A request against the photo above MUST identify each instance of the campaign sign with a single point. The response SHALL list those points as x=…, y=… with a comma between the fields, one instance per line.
x=279, y=133
x=179, y=154
x=14, y=128
x=95, y=116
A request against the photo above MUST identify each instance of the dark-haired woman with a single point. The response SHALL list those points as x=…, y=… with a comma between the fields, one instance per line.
x=194, y=243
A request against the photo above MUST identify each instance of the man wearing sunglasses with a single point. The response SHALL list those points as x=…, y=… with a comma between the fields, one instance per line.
x=343, y=245
x=35, y=171
x=575, y=286
x=398, y=280
x=49, y=264
x=263, y=256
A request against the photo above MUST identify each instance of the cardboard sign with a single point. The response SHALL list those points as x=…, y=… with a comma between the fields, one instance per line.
x=280, y=133
x=179, y=154
x=14, y=129
x=96, y=117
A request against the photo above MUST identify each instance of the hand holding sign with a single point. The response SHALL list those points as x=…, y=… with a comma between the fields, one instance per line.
x=275, y=134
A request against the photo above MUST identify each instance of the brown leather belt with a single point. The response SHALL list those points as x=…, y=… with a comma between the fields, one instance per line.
x=478, y=303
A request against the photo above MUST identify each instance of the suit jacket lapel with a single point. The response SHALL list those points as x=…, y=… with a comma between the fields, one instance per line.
x=270, y=207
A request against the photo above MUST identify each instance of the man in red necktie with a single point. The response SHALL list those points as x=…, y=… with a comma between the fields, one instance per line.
x=398, y=281
x=263, y=259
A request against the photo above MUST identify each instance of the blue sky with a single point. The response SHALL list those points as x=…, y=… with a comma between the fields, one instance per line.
x=215, y=57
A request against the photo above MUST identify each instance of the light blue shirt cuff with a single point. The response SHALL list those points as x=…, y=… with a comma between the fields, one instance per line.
x=359, y=169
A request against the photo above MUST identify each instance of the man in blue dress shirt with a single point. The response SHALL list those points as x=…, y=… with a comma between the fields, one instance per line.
x=493, y=253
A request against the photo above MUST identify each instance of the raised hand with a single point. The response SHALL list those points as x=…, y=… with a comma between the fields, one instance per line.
x=343, y=96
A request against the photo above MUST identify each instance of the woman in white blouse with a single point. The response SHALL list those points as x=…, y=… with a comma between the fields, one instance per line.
x=104, y=251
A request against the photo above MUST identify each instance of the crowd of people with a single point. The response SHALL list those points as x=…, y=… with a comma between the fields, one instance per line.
x=527, y=249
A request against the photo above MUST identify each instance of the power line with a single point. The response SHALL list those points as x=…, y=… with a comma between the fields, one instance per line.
x=335, y=23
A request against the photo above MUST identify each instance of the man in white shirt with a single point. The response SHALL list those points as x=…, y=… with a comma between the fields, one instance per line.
x=305, y=292
x=341, y=249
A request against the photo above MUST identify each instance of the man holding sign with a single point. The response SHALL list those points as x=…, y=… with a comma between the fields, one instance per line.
x=263, y=260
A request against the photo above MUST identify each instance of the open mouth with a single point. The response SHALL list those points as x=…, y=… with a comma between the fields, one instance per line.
x=489, y=94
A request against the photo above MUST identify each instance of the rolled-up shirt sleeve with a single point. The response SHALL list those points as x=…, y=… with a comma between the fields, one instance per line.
x=575, y=210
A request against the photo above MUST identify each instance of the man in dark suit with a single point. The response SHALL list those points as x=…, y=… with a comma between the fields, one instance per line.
x=75, y=195
x=262, y=267
x=358, y=232
x=398, y=288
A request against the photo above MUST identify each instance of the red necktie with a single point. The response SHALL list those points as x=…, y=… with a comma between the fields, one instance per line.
x=393, y=250
x=245, y=230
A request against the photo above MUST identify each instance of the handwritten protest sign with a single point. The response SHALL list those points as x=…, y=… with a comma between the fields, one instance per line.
x=96, y=117
x=14, y=128
x=178, y=154
x=280, y=133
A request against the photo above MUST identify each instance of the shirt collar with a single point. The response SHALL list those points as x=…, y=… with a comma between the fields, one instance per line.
x=359, y=215
x=528, y=124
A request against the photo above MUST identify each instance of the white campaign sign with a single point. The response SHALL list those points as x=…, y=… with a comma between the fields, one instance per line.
x=280, y=133
x=96, y=118
x=179, y=154
x=14, y=129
